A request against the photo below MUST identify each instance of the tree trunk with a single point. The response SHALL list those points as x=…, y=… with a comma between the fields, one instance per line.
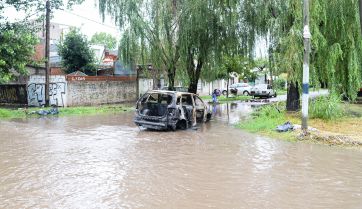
x=194, y=80
x=293, y=97
x=171, y=78
x=193, y=73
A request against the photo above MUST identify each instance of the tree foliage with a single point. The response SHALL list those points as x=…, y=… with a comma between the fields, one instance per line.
x=17, y=40
x=177, y=34
x=16, y=49
x=336, y=40
x=150, y=32
x=104, y=39
x=76, y=53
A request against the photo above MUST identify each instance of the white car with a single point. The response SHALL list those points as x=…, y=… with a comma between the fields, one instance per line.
x=263, y=90
x=239, y=89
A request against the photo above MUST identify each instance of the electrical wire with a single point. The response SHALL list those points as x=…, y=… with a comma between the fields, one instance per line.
x=113, y=27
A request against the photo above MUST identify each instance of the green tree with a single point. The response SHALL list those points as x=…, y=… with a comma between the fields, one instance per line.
x=76, y=53
x=17, y=40
x=16, y=49
x=104, y=39
x=233, y=64
x=336, y=42
x=151, y=32
x=176, y=34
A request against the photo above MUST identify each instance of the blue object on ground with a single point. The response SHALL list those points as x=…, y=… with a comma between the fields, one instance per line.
x=53, y=111
x=285, y=127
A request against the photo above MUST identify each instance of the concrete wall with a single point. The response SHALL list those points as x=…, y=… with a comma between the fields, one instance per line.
x=145, y=85
x=67, y=91
x=57, y=90
x=13, y=94
x=100, y=92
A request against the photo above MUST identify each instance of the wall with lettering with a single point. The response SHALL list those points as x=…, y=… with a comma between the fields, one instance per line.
x=57, y=91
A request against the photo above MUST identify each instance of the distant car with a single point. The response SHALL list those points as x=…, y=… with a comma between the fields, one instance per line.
x=177, y=88
x=239, y=89
x=263, y=90
x=163, y=110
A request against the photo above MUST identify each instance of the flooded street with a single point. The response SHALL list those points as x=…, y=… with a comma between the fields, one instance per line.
x=107, y=162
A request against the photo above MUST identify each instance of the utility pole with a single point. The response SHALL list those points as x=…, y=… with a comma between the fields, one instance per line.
x=47, y=54
x=307, y=36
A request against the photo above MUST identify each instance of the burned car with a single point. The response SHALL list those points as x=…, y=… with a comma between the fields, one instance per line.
x=164, y=110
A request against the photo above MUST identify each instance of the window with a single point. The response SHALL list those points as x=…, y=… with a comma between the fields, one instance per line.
x=187, y=99
x=198, y=101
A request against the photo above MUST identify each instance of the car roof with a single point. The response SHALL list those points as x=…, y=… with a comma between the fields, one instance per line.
x=169, y=92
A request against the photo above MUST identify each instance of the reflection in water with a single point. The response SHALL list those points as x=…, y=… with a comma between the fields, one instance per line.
x=231, y=113
x=107, y=162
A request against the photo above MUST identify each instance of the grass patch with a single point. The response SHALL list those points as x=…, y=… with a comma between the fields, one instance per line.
x=88, y=110
x=281, y=91
x=326, y=107
x=231, y=98
x=265, y=120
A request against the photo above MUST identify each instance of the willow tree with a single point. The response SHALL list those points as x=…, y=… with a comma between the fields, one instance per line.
x=150, y=32
x=208, y=30
x=336, y=42
x=175, y=34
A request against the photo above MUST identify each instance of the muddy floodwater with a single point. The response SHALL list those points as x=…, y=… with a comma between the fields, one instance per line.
x=107, y=162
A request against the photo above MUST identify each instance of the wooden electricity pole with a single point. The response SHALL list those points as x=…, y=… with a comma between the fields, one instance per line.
x=307, y=36
x=47, y=54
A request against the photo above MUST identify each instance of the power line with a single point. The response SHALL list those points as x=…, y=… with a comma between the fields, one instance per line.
x=113, y=27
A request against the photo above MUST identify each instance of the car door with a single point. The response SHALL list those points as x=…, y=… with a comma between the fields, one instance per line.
x=200, y=109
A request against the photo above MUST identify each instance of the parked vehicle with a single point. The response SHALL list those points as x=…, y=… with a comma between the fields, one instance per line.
x=263, y=90
x=239, y=89
x=163, y=110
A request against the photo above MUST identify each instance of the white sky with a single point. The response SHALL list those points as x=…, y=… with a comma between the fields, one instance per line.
x=85, y=16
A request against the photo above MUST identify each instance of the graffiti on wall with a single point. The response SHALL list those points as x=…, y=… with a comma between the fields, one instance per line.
x=13, y=94
x=57, y=91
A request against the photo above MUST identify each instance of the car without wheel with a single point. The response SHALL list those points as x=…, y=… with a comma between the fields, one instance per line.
x=170, y=110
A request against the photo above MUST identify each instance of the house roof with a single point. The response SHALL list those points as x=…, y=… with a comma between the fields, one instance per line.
x=78, y=73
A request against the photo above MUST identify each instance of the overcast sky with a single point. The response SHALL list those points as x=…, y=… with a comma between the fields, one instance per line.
x=85, y=16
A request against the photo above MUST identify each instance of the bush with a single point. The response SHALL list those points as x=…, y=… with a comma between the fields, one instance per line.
x=326, y=108
x=279, y=83
x=265, y=119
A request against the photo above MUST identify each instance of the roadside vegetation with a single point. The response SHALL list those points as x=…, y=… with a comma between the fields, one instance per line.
x=89, y=110
x=331, y=121
x=231, y=98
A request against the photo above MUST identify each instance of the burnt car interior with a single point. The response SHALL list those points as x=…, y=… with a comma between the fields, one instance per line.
x=155, y=104
x=200, y=109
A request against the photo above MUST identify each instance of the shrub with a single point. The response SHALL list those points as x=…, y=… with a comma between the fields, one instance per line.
x=326, y=108
x=279, y=83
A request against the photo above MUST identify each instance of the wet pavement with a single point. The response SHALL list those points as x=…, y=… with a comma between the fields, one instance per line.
x=107, y=162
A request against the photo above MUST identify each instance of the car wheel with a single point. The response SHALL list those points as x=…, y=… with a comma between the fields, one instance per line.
x=275, y=94
x=246, y=93
x=182, y=124
x=224, y=92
